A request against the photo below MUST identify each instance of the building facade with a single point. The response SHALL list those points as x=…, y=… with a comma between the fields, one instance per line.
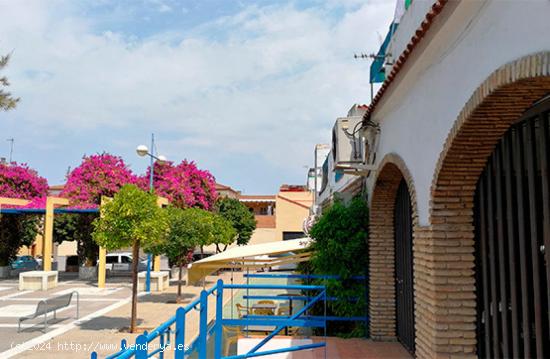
x=460, y=194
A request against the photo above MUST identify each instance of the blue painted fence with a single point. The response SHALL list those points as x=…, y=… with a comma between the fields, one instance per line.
x=171, y=334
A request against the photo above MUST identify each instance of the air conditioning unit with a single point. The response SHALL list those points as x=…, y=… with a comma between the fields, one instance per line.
x=354, y=146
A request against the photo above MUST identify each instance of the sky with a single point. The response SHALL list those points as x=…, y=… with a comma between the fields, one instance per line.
x=243, y=88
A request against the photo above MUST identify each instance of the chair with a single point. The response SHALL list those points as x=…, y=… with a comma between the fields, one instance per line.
x=285, y=311
x=265, y=311
x=242, y=310
x=231, y=335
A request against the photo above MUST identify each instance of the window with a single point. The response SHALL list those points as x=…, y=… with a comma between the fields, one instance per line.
x=126, y=259
x=292, y=235
x=112, y=259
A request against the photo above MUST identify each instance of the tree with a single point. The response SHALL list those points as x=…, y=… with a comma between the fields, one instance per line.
x=19, y=181
x=184, y=185
x=340, y=248
x=7, y=101
x=77, y=227
x=133, y=219
x=188, y=228
x=97, y=176
x=223, y=231
x=240, y=217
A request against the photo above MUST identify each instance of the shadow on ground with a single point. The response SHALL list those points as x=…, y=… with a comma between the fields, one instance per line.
x=103, y=323
x=165, y=298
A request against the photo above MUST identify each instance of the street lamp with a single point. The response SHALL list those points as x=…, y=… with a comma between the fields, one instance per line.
x=143, y=151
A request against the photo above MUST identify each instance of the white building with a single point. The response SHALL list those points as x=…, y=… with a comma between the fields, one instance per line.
x=460, y=195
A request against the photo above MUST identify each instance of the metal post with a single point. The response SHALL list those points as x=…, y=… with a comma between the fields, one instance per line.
x=180, y=334
x=203, y=324
x=162, y=345
x=141, y=347
x=247, y=295
x=218, y=324
x=151, y=170
x=325, y=314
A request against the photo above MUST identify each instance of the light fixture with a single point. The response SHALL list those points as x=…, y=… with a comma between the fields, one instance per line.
x=142, y=150
x=161, y=159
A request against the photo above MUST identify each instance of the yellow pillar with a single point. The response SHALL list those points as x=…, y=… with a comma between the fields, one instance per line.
x=156, y=264
x=48, y=238
x=161, y=202
x=102, y=252
x=101, y=267
x=48, y=231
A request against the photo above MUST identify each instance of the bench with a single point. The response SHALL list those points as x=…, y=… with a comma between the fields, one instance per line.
x=50, y=305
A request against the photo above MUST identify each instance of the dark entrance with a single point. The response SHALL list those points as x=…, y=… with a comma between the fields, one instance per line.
x=404, y=267
x=512, y=220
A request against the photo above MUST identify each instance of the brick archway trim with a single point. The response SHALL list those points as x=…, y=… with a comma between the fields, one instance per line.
x=392, y=170
x=445, y=282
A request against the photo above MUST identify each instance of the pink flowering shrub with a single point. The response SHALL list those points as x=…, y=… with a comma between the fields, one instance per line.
x=184, y=185
x=20, y=181
x=97, y=175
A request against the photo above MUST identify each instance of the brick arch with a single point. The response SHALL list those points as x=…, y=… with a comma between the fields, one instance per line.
x=445, y=288
x=392, y=170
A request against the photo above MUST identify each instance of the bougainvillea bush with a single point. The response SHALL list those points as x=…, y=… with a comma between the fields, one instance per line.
x=184, y=185
x=19, y=181
x=98, y=175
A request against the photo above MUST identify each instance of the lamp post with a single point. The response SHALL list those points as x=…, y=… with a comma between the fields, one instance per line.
x=143, y=151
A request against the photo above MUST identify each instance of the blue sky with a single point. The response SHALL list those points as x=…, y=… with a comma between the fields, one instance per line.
x=245, y=89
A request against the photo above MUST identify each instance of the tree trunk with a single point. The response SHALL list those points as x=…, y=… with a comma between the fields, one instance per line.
x=135, y=261
x=224, y=248
x=218, y=248
x=178, y=298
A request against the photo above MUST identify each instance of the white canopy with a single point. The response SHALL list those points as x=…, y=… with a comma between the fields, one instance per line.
x=249, y=256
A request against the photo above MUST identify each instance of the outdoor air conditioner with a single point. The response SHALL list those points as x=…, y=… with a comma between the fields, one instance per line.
x=353, y=145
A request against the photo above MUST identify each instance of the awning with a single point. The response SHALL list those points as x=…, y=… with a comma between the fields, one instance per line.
x=253, y=256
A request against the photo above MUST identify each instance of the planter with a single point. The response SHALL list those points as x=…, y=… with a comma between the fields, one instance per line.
x=175, y=272
x=5, y=272
x=87, y=273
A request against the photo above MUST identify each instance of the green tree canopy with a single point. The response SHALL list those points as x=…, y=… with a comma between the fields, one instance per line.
x=223, y=231
x=188, y=228
x=16, y=231
x=240, y=217
x=77, y=227
x=131, y=217
x=7, y=101
x=340, y=248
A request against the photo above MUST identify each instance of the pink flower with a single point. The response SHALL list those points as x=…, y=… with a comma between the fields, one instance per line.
x=20, y=181
x=184, y=185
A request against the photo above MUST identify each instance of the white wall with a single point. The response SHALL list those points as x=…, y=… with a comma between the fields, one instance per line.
x=468, y=41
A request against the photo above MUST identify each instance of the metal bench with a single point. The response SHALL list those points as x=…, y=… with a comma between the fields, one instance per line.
x=51, y=305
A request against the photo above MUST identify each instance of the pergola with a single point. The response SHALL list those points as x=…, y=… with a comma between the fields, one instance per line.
x=49, y=211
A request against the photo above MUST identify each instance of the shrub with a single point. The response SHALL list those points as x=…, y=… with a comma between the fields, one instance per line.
x=340, y=248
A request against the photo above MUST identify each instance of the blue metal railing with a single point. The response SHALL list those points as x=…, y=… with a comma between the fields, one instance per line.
x=291, y=298
x=142, y=346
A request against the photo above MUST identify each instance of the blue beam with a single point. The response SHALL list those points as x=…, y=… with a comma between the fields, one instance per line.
x=294, y=316
x=263, y=322
x=300, y=276
x=277, y=351
x=275, y=286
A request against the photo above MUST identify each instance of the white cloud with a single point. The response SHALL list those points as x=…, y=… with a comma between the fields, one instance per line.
x=268, y=80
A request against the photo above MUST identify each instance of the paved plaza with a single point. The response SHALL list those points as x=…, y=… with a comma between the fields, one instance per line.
x=104, y=313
